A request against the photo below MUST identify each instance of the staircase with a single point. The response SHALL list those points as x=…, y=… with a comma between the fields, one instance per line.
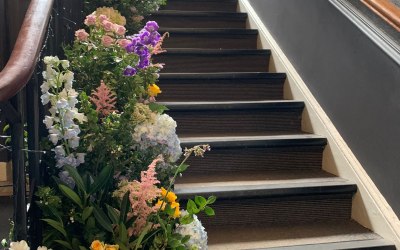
x=266, y=172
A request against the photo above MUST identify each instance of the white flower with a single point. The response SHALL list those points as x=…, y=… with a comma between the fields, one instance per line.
x=81, y=157
x=196, y=231
x=62, y=103
x=19, y=245
x=51, y=60
x=65, y=64
x=67, y=78
x=48, y=121
x=53, y=138
x=45, y=98
x=43, y=248
x=59, y=150
x=45, y=87
x=80, y=117
x=74, y=142
x=71, y=133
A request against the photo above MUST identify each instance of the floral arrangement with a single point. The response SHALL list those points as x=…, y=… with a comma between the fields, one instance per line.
x=113, y=152
x=134, y=10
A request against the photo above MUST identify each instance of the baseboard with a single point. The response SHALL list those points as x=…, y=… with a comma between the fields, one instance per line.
x=370, y=208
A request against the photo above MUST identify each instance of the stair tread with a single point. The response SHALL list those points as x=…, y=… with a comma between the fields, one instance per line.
x=210, y=31
x=235, y=105
x=304, y=235
x=267, y=188
x=254, y=177
x=256, y=140
x=223, y=75
x=220, y=14
x=196, y=51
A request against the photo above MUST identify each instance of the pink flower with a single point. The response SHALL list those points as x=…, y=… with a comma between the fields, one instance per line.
x=107, y=41
x=81, y=35
x=123, y=42
x=102, y=18
x=90, y=20
x=119, y=29
x=107, y=25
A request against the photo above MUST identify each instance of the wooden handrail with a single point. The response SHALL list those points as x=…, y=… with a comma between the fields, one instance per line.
x=26, y=52
x=386, y=10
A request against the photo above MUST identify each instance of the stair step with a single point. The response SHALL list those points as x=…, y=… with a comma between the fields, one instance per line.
x=202, y=5
x=222, y=117
x=274, y=202
x=256, y=154
x=321, y=236
x=211, y=38
x=221, y=86
x=214, y=60
x=199, y=19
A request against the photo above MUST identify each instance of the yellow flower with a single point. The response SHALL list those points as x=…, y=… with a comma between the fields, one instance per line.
x=97, y=245
x=159, y=202
x=154, y=90
x=171, y=196
x=111, y=247
x=177, y=211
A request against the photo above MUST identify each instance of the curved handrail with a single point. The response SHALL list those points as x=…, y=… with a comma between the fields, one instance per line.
x=25, y=54
x=386, y=10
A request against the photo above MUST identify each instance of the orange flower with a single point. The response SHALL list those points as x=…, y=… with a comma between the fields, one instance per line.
x=112, y=247
x=154, y=90
x=177, y=212
x=97, y=245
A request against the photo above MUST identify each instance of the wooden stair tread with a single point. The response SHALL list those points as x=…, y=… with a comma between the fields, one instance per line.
x=267, y=188
x=224, y=75
x=257, y=141
x=219, y=14
x=301, y=235
x=198, y=51
x=209, y=31
x=237, y=105
x=252, y=177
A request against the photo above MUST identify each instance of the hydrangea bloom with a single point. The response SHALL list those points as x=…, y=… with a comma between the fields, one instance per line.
x=196, y=231
x=161, y=135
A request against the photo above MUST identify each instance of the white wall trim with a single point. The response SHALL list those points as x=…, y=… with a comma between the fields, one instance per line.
x=370, y=208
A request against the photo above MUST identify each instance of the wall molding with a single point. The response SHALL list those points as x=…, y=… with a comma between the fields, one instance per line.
x=383, y=41
x=370, y=208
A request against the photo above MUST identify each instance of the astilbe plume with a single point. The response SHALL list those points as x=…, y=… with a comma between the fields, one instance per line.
x=158, y=47
x=104, y=99
x=142, y=194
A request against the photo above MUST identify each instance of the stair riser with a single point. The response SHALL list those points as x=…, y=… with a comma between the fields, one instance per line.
x=213, y=41
x=200, y=5
x=234, y=122
x=219, y=90
x=220, y=161
x=199, y=22
x=275, y=211
x=181, y=63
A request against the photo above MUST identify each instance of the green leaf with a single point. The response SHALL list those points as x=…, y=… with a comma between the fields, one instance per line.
x=200, y=200
x=123, y=233
x=182, y=168
x=71, y=194
x=191, y=207
x=82, y=248
x=64, y=243
x=102, y=219
x=185, y=239
x=77, y=178
x=102, y=179
x=158, y=108
x=112, y=214
x=124, y=208
x=211, y=199
x=187, y=219
x=209, y=211
x=141, y=236
x=173, y=243
x=56, y=225
x=86, y=213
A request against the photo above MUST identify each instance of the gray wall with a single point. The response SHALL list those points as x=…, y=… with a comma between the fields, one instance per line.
x=357, y=85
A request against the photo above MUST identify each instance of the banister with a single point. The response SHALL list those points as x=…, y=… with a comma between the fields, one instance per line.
x=386, y=10
x=26, y=52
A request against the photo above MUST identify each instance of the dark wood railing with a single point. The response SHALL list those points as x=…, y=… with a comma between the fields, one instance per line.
x=386, y=10
x=46, y=26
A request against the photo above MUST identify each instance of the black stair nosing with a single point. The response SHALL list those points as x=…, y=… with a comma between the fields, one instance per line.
x=273, y=141
x=209, y=31
x=281, y=190
x=223, y=76
x=205, y=1
x=375, y=244
x=186, y=13
x=233, y=52
x=236, y=105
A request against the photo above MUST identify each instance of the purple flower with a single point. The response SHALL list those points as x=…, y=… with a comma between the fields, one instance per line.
x=129, y=71
x=66, y=179
x=155, y=37
x=131, y=47
x=151, y=26
x=145, y=37
x=143, y=62
x=142, y=51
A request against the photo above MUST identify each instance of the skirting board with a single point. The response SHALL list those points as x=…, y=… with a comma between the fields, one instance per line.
x=370, y=208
